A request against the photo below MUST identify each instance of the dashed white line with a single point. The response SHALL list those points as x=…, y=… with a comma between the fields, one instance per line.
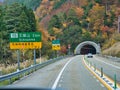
x=59, y=75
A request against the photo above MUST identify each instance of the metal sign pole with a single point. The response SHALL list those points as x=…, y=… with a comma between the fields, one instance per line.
x=18, y=58
x=24, y=58
x=34, y=56
x=40, y=56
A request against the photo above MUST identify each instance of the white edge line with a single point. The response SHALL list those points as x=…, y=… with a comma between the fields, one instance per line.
x=59, y=75
x=108, y=63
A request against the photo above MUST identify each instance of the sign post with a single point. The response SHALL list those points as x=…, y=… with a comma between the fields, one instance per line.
x=25, y=40
x=69, y=49
x=40, y=56
x=34, y=56
x=56, y=46
x=18, y=57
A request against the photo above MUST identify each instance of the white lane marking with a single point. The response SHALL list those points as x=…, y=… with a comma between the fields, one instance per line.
x=58, y=78
x=108, y=64
x=101, y=85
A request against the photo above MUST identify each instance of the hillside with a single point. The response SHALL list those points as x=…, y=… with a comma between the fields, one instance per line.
x=74, y=21
x=114, y=50
x=96, y=22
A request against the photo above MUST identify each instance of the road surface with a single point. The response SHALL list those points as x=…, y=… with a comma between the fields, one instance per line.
x=67, y=74
x=110, y=68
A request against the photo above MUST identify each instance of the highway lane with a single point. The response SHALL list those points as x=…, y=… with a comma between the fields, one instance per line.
x=77, y=77
x=73, y=77
x=42, y=78
x=109, y=68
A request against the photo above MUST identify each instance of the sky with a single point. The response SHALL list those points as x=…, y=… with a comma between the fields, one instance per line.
x=1, y=0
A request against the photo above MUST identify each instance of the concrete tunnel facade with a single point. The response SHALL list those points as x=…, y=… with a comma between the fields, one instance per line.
x=87, y=47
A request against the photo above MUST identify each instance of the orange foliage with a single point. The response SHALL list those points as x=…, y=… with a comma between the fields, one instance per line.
x=104, y=28
x=79, y=11
x=44, y=1
x=63, y=49
x=44, y=32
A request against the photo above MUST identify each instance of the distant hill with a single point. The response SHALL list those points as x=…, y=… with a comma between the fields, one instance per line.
x=33, y=4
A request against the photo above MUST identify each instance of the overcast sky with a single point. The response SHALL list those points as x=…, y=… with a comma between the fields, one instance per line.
x=1, y=0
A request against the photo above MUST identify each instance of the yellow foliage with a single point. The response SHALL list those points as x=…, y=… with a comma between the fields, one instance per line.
x=88, y=19
x=97, y=24
x=97, y=12
x=56, y=30
x=104, y=35
x=64, y=25
x=84, y=30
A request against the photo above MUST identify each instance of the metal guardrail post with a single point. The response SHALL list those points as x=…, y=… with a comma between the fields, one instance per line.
x=101, y=72
x=94, y=67
x=115, y=82
x=10, y=81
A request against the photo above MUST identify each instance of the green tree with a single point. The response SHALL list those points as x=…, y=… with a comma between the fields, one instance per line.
x=14, y=18
x=86, y=37
x=55, y=22
x=24, y=25
x=72, y=35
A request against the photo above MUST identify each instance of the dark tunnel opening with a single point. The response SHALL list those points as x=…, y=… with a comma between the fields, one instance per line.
x=88, y=49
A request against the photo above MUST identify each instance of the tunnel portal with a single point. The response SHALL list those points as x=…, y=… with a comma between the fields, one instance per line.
x=87, y=47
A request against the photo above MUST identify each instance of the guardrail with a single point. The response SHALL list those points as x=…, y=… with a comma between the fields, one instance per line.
x=18, y=74
x=111, y=84
x=110, y=57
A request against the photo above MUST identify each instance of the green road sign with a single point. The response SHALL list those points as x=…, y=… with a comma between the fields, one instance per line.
x=56, y=42
x=25, y=37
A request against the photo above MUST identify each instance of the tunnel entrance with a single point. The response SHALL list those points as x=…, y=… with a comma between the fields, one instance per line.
x=87, y=49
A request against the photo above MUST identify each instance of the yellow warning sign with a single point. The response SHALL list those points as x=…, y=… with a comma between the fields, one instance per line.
x=55, y=47
x=25, y=45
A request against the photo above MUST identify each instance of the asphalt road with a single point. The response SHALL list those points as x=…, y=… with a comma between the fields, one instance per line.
x=67, y=74
x=110, y=68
